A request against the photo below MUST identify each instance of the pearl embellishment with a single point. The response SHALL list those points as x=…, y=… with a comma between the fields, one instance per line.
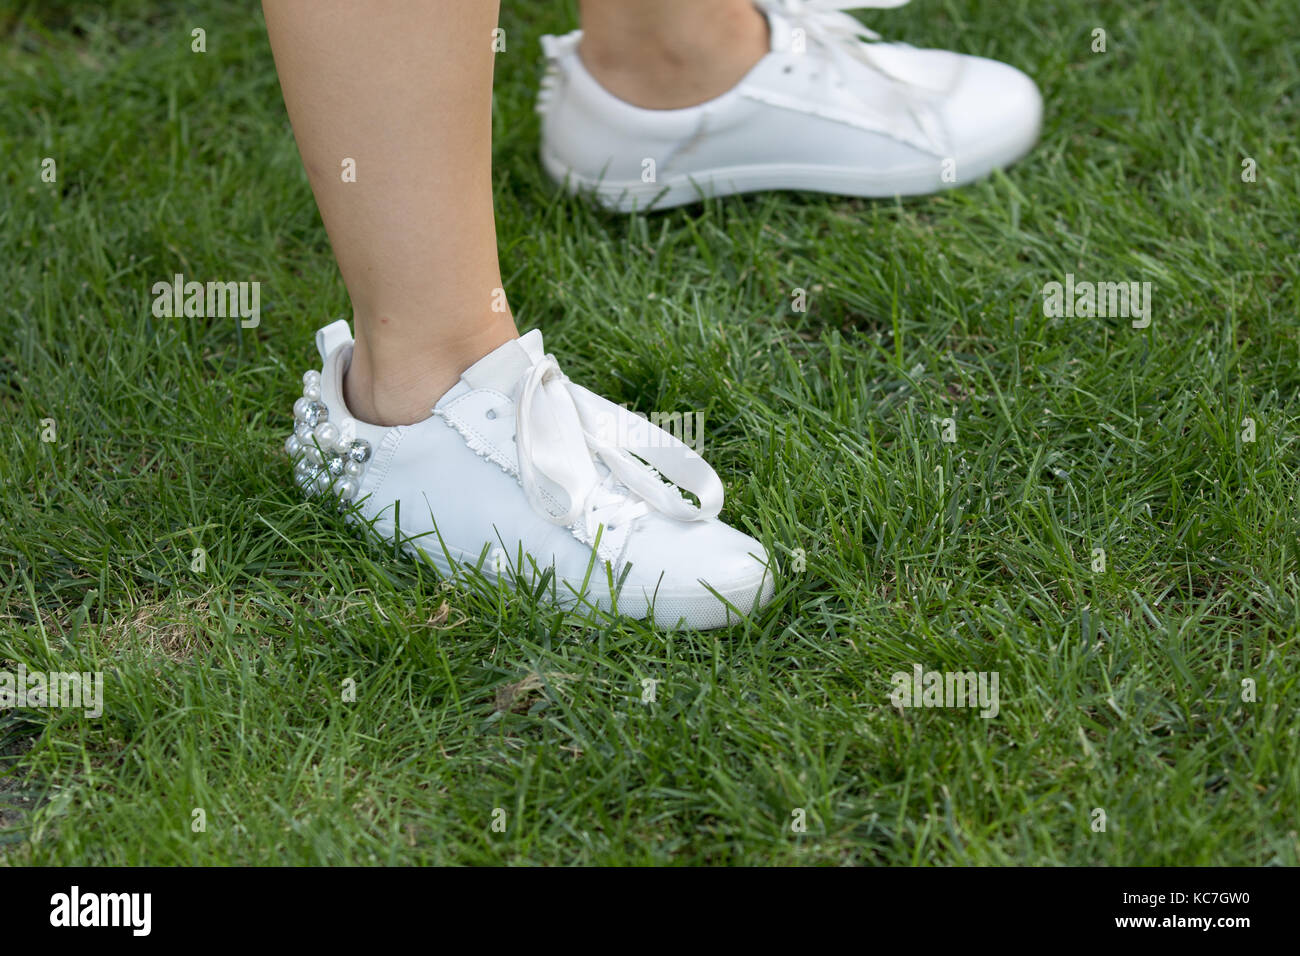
x=325, y=456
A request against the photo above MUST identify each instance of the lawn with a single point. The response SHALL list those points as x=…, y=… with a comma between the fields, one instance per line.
x=1101, y=515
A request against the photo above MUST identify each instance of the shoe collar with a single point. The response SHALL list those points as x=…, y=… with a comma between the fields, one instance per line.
x=334, y=343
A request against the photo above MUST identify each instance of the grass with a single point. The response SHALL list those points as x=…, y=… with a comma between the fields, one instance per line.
x=1121, y=689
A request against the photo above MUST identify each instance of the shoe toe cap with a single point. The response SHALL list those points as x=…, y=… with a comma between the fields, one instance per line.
x=993, y=115
x=675, y=558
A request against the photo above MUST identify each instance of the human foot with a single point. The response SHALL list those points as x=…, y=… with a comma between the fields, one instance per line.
x=826, y=110
x=516, y=459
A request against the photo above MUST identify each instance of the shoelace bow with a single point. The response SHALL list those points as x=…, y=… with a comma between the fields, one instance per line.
x=562, y=430
x=825, y=23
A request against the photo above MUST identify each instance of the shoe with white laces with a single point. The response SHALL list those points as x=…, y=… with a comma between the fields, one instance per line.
x=517, y=462
x=830, y=108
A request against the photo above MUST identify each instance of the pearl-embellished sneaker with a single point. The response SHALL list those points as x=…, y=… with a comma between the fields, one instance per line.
x=516, y=460
x=828, y=109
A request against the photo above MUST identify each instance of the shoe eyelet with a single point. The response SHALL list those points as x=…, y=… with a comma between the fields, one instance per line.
x=491, y=414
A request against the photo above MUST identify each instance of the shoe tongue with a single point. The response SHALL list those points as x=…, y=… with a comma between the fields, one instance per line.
x=560, y=454
x=501, y=368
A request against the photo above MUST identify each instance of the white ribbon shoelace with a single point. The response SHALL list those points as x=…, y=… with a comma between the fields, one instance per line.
x=825, y=23
x=562, y=431
x=829, y=19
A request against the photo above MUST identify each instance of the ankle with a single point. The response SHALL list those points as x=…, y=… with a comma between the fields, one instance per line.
x=399, y=383
x=661, y=63
x=386, y=404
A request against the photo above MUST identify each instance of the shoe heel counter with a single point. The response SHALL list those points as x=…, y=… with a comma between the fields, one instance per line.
x=591, y=136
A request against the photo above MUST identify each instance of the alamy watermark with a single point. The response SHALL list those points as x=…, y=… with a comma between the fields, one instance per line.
x=622, y=431
x=129, y=910
x=922, y=688
x=213, y=300
x=52, y=689
x=1088, y=300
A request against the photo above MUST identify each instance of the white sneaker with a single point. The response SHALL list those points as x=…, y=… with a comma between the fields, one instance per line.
x=827, y=110
x=519, y=461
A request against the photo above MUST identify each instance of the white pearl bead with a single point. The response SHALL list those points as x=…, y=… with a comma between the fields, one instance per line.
x=303, y=432
x=311, y=392
x=327, y=433
x=292, y=446
x=347, y=488
x=313, y=453
x=310, y=377
x=323, y=480
x=353, y=469
x=300, y=409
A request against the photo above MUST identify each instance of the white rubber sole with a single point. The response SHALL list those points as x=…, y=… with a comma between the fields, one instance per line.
x=673, y=610
x=686, y=188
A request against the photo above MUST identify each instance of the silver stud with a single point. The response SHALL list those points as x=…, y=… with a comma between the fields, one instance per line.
x=317, y=412
x=334, y=464
x=359, y=451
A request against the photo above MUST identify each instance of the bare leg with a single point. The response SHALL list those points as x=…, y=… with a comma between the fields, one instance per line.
x=667, y=54
x=405, y=90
